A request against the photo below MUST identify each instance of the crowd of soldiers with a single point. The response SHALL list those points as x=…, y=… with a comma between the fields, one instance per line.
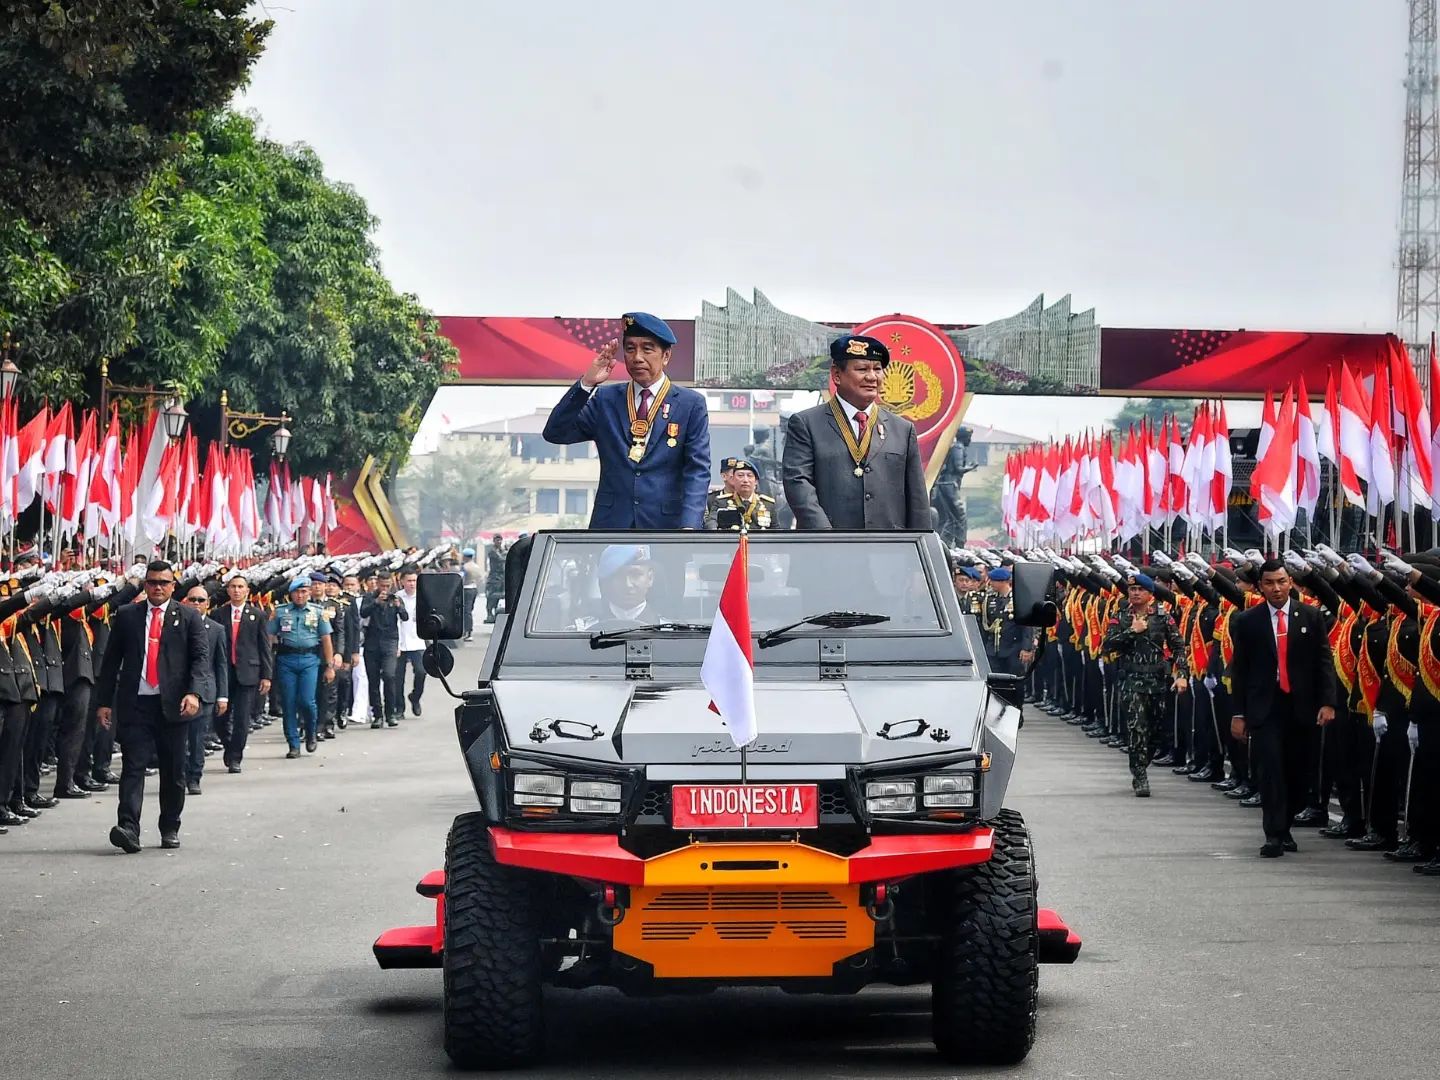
x=1141, y=661
x=319, y=643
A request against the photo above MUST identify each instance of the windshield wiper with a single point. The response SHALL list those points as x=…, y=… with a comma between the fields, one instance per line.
x=833, y=620
x=612, y=637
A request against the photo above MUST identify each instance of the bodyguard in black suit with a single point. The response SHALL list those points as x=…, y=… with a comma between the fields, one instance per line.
x=252, y=665
x=153, y=677
x=1282, y=683
x=215, y=699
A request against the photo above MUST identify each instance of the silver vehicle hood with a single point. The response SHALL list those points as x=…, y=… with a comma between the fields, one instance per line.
x=808, y=730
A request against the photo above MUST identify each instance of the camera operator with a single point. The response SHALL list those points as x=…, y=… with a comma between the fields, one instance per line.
x=383, y=613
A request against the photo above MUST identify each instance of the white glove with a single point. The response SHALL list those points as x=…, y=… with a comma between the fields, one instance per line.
x=1329, y=554
x=1296, y=564
x=1255, y=555
x=1413, y=734
x=1397, y=565
x=1210, y=682
x=1380, y=724
x=1161, y=559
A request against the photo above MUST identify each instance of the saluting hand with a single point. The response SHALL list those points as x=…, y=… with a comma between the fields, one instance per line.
x=603, y=364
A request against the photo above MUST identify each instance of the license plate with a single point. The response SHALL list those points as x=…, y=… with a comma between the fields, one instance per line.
x=745, y=806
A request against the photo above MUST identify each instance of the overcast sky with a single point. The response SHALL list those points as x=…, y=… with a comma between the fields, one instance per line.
x=1226, y=164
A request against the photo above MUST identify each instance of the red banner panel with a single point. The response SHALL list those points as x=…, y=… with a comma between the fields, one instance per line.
x=1202, y=362
x=546, y=350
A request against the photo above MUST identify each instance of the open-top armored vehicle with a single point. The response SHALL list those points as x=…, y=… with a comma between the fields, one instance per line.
x=621, y=840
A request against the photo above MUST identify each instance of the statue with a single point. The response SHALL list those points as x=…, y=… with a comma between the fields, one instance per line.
x=945, y=497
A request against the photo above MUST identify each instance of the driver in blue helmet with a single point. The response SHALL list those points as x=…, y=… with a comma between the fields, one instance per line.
x=624, y=575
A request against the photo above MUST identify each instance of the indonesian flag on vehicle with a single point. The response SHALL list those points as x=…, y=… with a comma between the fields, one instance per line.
x=728, y=670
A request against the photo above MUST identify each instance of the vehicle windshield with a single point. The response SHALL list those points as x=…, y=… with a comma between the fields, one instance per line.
x=591, y=587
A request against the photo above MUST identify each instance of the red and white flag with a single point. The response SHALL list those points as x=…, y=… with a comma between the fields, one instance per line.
x=728, y=670
x=1307, y=454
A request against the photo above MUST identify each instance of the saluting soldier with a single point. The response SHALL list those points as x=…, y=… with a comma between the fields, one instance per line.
x=1150, y=657
x=743, y=506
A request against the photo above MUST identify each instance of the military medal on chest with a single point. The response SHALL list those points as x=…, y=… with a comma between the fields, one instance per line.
x=640, y=426
x=859, y=451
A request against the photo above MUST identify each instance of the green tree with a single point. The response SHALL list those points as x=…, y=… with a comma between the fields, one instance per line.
x=1153, y=409
x=96, y=95
x=469, y=489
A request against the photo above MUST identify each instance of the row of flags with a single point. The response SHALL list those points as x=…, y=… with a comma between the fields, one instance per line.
x=1114, y=487
x=134, y=487
x=1377, y=427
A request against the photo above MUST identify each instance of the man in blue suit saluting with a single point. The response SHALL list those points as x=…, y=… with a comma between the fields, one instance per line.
x=652, y=437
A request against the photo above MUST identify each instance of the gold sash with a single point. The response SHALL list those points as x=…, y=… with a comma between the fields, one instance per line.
x=858, y=451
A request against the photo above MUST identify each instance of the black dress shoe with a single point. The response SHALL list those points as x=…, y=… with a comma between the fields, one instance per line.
x=1429, y=869
x=1166, y=758
x=23, y=810
x=1289, y=844
x=1188, y=769
x=392, y=722
x=293, y=752
x=1272, y=849
x=232, y=768
x=310, y=744
x=1202, y=775
x=1311, y=815
x=89, y=783
x=1345, y=830
x=1251, y=802
x=1228, y=784
x=109, y=778
x=415, y=705
x=39, y=802
x=377, y=724
x=1244, y=791
x=169, y=840
x=1410, y=852
x=152, y=772
x=9, y=817
x=1372, y=841
x=192, y=789
x=72, y=792
x=125, y=840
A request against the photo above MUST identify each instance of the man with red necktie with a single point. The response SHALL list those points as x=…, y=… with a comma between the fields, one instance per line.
x=150, y=686
x=1282, y=684
x=652, y=437
x=252, y=665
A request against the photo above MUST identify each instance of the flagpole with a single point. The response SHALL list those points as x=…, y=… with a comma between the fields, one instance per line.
x=745, y=747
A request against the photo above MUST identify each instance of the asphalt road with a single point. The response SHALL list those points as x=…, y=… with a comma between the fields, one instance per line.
x=246, y=954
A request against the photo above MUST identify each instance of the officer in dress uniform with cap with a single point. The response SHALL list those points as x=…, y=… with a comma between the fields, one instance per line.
x=727, y=487
x=1009, y=646
x=624, y=576
x=652, y=437
x=301, y=635
x=849, y=463
x=743, y=506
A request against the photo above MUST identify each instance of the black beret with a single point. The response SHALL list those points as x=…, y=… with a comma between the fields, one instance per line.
x=858, y=347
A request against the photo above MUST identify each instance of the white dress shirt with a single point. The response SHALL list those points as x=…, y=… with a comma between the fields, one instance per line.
x=410, y=640
x=851, y=412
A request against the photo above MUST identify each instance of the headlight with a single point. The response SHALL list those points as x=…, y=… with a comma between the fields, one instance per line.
x=890, y=796
x=540, y=783
x=539, y=789
x=594, y=806
x=964, y=799
x=937, y=785
x=594, y=789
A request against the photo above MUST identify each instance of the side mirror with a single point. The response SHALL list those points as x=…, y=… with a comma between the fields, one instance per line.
x=440, y=605
x=1032, y=585
x=438, y=660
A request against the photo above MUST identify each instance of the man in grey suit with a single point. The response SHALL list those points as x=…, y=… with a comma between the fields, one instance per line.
x=849, y=463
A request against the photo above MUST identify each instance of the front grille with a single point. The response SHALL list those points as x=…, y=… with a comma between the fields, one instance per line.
x=834, y=805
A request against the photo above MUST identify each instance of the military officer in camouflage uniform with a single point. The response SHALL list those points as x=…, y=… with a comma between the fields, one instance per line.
x=1151, y=661
x=742, y=505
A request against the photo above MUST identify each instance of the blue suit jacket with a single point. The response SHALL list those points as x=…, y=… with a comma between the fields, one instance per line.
x=666, y=488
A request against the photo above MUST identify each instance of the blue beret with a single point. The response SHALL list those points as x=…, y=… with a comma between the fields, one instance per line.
x=298, y=583
x=643, y=324
x=971, y=572
x=319, y=577
x=741, y=463
x=468, y=553
x=999, y=574
x=860, y=348
x=727, y=464
x=618, y=556
x=1144, y=581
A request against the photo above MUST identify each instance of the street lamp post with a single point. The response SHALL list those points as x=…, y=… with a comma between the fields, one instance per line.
x=174, y=415
x=9, y=370
x=241, y=425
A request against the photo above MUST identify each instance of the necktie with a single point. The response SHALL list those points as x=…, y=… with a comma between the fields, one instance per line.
x=152, y=648
x=860, y=425
x=235, y=632
x=1282, y=650
x=643, y=412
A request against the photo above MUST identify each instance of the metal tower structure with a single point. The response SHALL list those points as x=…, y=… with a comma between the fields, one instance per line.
x=1418, y=295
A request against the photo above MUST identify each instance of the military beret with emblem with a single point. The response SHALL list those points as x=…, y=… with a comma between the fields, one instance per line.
x=643, y=324
x=858, y=347
x=740, y=464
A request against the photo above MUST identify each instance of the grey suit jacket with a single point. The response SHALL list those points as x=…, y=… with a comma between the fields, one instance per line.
x=823, y=490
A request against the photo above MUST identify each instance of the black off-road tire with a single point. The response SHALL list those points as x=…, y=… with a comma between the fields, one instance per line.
x=987, y=976
x=494, y=1015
